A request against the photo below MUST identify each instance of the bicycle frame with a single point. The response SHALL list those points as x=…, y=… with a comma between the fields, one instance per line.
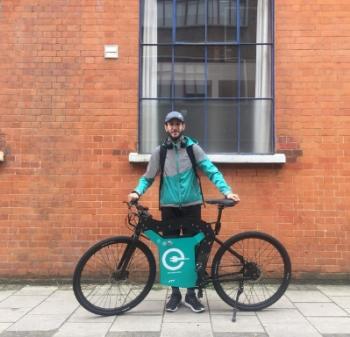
x=146, y=224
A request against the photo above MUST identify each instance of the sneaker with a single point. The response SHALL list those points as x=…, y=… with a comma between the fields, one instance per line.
x=193, y=303
x=173, y=303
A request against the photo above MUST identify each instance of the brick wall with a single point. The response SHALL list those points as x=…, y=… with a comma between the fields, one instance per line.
x=68, y=119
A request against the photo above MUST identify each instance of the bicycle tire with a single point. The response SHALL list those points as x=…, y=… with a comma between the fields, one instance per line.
x=265, y=277
x=100, y=289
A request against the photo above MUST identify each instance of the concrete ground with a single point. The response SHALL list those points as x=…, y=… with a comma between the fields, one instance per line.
x=306, y=310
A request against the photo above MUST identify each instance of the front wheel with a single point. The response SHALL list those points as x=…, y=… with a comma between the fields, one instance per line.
x=114, y=275
x=258, y=263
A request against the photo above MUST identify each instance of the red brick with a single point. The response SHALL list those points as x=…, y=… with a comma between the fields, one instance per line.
x=68, y=119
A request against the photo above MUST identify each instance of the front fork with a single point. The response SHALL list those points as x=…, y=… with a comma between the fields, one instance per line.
x=121, y=268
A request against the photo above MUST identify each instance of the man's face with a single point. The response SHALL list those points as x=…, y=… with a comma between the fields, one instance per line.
x=174, y=128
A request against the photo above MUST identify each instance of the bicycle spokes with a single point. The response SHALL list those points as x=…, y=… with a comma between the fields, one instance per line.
x=113, y=276
x=263, y=271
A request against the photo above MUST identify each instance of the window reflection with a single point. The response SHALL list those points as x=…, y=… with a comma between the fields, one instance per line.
x=256, y=133
x=194, y=113
x=164, y=20
x=255, y=71
x=189, y=71
x=222, y=20
x=190, y=20
x=223, y=71
x=222, y=126
x=257, y=15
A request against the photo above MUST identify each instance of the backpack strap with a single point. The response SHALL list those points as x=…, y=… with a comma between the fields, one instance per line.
x=190, y=153
x=162, y=156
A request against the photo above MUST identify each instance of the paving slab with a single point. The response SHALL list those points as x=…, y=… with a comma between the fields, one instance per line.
x=307, y=296
x=147, y=307
x=4, y=326
x=4, y=294
x=342, y=301
x=331, y=325
x=137, y=323
x=38, y=323
x=133, y=334
x=83, y=316
x=8, y=315
x=83, y=330
x=320, y=309
x=306, y=310
x=186, y=330
x=286, y=323
x=335, y=290
x=30, y=290
x=185, y=315
x=244, y=324
x=28, y=333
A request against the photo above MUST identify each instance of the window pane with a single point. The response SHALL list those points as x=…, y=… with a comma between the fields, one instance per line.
x=256, y=23
x=164, y=71
x=164, y=18
x=222, y=126
x=152, y=120
x=157, y=21
x=222, y=20
x=222, y=71
x=256, y=71
x=190, y=20
x=193, y=112
x=156, y=71
x=256, y=131
x=189, y=70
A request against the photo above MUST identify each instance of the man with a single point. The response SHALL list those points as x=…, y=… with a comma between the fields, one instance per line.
x=180, y=192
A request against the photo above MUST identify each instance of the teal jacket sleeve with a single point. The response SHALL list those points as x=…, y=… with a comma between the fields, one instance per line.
x=152, y=170
x=211, y=171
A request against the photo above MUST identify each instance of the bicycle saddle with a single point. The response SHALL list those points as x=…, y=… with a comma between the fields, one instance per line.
x=221, y=202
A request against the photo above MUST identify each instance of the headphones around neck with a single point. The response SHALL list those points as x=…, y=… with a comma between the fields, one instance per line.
x=170, y=145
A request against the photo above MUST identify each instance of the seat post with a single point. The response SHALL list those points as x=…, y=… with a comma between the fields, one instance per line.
x=218, y=220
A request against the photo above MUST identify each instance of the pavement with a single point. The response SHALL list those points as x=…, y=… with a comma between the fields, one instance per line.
x=306, y=310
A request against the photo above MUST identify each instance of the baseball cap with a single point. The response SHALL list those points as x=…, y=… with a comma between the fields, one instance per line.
x=174, y=115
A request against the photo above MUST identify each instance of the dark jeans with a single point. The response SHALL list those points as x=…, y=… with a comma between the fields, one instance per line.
x=193, y=212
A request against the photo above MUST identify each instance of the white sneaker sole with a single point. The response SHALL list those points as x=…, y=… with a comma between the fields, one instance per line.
x=193, y=309
x=172, y=310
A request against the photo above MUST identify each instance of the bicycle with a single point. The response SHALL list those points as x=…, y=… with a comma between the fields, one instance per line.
x=250, y=271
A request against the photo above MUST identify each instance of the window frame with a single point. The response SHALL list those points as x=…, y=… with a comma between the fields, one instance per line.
x=235, y=43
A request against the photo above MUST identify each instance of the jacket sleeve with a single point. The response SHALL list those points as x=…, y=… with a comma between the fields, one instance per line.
x=211, y=171
x=152, y=169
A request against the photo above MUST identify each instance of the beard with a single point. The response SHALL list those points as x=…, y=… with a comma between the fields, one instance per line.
x=175, y=139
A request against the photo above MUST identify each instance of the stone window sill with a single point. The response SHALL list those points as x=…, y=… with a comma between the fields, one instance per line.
x=277, y=158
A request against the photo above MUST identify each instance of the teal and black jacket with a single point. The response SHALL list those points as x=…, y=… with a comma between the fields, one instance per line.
x=180, y=186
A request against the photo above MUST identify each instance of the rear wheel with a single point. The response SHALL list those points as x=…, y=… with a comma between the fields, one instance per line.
x=259, y=263
x=102, y=287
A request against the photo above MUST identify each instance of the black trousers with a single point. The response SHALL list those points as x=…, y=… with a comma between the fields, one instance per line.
x=193, y=212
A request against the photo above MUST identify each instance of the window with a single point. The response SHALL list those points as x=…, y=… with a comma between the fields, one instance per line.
x=211, y=60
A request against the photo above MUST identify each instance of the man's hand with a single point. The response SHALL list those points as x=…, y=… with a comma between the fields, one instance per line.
x=133, y=196
x=233, y=196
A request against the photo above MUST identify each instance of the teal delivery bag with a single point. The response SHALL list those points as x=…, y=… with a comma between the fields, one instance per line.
x=177, y=259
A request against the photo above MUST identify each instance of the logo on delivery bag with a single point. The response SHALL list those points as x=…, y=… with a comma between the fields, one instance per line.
x=173, y=259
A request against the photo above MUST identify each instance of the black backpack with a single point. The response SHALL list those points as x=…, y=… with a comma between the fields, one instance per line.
x=162, y=156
